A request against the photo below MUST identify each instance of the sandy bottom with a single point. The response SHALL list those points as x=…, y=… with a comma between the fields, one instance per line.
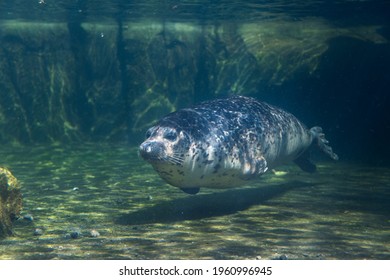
x=71, y=193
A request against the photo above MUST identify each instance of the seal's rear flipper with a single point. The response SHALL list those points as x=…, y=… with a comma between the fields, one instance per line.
x=322, y=142
x=305, y=164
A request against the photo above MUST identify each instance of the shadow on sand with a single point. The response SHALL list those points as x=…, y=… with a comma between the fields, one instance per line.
x=207, y=205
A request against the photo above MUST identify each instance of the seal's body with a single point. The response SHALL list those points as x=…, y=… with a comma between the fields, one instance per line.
x=224, y=142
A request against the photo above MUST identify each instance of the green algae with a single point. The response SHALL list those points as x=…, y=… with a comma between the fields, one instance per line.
x=341, y=212
x=107, y=81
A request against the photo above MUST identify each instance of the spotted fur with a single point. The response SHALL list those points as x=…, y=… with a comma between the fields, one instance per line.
x=224, y=142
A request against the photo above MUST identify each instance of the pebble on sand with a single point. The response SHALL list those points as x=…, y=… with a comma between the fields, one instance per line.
x=75, y=234
x=38, y=231
x=28, y=217
x=94, y=233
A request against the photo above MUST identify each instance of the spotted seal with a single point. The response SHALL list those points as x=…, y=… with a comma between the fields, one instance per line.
x=224, y=142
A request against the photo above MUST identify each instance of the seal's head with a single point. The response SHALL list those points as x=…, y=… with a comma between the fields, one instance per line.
x=164, y=145
x=175, y=149
x=169, y=141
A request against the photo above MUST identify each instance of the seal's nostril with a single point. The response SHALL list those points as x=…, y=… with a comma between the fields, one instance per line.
x=144, y=148
x=150, y=150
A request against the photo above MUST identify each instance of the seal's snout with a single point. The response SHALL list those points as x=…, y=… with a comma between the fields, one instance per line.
x=151, y=150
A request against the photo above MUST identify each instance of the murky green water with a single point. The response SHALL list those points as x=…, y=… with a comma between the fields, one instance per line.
x=341, y=212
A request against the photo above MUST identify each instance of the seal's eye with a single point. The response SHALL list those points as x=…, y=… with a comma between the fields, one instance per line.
x=170, y=135
x=148, y=132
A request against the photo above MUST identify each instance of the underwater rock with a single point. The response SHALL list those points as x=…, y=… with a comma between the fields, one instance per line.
x=10, y=201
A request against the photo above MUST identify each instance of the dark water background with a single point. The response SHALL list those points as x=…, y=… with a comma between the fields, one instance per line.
x=82, y=80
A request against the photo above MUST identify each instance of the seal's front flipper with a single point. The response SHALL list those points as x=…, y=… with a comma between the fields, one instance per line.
x=304, y=163
x=322, y=142
x=252, y=167
x=190, y=190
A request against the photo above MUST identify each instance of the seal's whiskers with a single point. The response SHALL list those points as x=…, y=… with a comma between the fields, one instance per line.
x=176, y=159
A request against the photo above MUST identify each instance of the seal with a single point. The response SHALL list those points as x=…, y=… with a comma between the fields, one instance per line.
x=224, y=143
